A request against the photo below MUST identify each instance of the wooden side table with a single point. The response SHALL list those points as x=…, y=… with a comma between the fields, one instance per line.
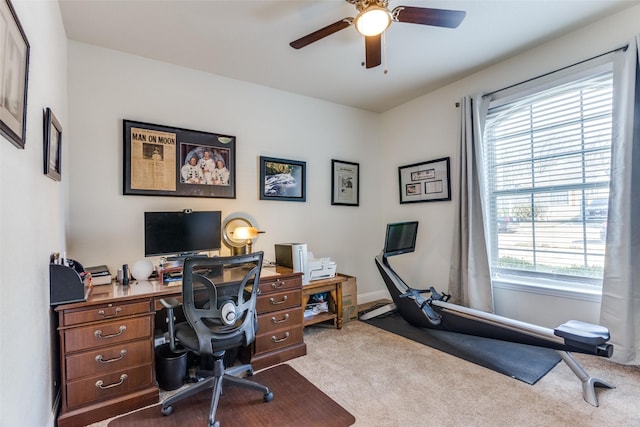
x=334, y=287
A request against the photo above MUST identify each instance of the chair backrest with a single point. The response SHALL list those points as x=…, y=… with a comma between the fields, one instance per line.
x=219, y=299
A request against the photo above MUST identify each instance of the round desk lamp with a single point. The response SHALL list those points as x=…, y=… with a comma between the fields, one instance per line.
x=247, y=234
x=239, y=241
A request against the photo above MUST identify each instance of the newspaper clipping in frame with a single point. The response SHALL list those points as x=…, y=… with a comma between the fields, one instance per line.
x=153, y=160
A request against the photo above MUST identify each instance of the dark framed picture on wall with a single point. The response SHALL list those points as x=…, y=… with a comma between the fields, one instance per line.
x=168, y=161
x=345, y=183
x=14, y=75
x=282, y=179
x=52, y=146
x=425, y=182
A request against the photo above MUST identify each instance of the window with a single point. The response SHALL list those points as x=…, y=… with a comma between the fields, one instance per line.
x=547, y=160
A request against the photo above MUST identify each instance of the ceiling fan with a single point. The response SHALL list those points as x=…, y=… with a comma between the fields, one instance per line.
x=374, y=18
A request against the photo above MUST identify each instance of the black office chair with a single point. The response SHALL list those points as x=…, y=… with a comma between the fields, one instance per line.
x=219, y=303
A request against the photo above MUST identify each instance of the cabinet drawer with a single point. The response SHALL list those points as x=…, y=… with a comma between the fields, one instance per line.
x=280, y=284
x=279, y=319
x=102, y=360
x=278, y=339
x=107, y=333
x=105, y=312
x=99, y=387
x=278, y=301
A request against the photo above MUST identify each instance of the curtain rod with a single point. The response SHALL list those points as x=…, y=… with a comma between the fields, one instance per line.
x=555, y=71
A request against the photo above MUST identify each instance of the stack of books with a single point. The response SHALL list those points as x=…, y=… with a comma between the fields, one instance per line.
x=100, y=275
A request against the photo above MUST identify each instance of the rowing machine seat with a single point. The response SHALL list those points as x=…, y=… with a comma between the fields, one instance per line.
x=583, y=332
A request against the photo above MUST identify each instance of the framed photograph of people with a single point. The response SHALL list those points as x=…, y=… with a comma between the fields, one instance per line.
x=168, y=161
x=14, y=75
x=52, y=146
x=425, y=182
x=282, y=179
x=345, y=183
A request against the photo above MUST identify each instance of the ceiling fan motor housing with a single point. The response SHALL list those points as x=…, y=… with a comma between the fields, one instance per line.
x=363, y=4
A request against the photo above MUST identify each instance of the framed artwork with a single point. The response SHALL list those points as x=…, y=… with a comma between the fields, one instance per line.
x=52, y=146
x=168, y=161
x=345, y=183
x=282, y=179
x=14, y=75
x=425, y=182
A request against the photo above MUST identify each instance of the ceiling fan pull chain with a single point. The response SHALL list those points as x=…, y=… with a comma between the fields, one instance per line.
x=384, y=52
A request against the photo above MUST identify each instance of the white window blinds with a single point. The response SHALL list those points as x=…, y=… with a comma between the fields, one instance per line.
x=547, y=163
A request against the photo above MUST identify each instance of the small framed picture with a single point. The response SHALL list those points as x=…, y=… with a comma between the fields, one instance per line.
x=282, y=179
x=14, y=74
x=425, y=182
x=345, y=183
x=52, y=146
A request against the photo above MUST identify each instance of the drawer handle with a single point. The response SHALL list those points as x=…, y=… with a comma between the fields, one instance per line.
x=274, y=339
x=101, y=386
x=286, y=317
x=101, y=359
x=274, y=302
x=121, y=330
x=276, y=285
x=118, y=310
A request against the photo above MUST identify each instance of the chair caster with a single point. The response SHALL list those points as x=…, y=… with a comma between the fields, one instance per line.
x=268, y=397
x=215, y=424
x=167, y=411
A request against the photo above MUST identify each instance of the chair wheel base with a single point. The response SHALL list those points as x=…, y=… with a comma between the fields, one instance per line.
x=268, y=397
x=166, y=411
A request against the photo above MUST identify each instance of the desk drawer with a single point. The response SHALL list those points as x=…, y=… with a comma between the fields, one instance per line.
x=280, y=284
x=105, y=312
x=279, y=319
x=107, y=333
x=278, y=301
x=277, y=339
x=101, y=360
x=100, y=387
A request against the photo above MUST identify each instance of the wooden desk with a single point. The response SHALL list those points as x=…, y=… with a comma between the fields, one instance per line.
x=334, y=287
x=107, y=343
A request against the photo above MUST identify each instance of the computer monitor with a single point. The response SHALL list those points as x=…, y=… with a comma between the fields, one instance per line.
x=400, y=238
x=181, y=233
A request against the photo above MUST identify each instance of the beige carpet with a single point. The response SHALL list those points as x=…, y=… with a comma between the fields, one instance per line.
x=386, y=380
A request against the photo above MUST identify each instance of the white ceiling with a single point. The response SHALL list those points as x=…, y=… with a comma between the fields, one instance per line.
x=249, y=40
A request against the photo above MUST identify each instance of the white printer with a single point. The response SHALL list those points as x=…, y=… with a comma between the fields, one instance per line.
x=296, y=256
x=320, y=268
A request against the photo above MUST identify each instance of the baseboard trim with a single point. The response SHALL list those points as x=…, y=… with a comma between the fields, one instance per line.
x=373, y=296
x=55, y=408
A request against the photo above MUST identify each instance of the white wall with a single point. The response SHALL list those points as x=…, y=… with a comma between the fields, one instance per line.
x=106, y=227
x=32, y=211
x=102, y=226
x=427, y=128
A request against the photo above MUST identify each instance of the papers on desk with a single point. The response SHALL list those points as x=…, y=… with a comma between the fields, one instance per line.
x=100, y=275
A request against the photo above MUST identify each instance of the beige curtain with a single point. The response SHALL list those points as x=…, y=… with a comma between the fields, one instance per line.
x=469, y=276
x=620, y=308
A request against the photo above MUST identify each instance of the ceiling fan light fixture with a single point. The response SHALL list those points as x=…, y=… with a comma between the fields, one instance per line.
x=373, y=21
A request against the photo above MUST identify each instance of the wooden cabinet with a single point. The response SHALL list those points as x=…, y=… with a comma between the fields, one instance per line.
x=106, y=343
x=106, y=353
x=279, y=335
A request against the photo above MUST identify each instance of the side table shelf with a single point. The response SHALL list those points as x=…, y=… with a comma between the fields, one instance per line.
x=333, y=287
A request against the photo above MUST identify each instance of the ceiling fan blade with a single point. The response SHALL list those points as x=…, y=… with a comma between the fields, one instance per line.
x=373, y=50
x=426, y=16
x=321, y=33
